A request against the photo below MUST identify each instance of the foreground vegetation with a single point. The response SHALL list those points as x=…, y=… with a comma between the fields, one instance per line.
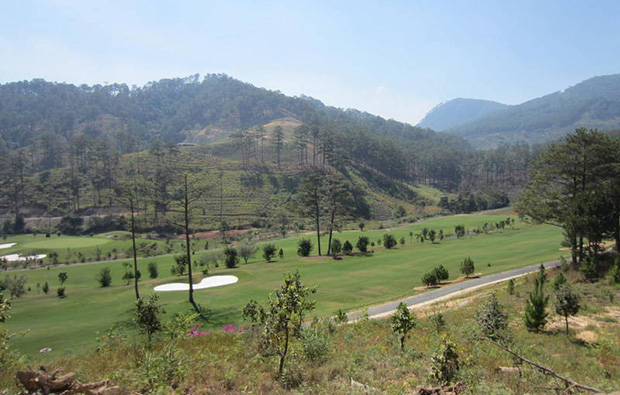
x=367, y=355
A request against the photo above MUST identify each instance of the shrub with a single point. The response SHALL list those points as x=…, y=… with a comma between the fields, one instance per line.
x=341, y=317
x=559, y=281
x=347, y=247
x=535, y=317
x=441, y=273
x=269, y=251
x=362, y=244
x=403, y=321
x=491, y=318
x=45, y=288
x=305, y=247
x=60, y=292
x=389, y=241
x=247, y=251
x=467, y=267
x=445, y=362
x=438, y=320
x=336, y=247
x=231, y=257
x=510, y=287
x=148, y=315
x=281, y=253
x=153, y=270
x=429, y=279
x=314, y=344
x=614, y=273
x=402, y=241
x=15, y=285
x=105, y=277
x=459, y=230
x=589, y=268
x=566, y=303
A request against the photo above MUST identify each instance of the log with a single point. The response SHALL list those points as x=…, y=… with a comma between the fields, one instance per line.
x=40, y=381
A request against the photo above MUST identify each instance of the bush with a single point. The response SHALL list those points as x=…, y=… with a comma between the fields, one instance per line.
x=45, y=288
x=491, y=319
x=467, y=266
x=336, y=247
x=510, y=287
x=445, y=362
x=589, y=268
x=402, y=241
x=105, y=277
x=441, y=273
x=347, y=247
x=61, y=292
x=535, y=317
x=341, y=317
x=15, y=285
x=429, y=279
x=231, y=257
x=181, y=264
x=614, y=273
x=269, y=251
x=247, y=251
x=148, y=314
x=314, y=344
x=153, y=271
x=362, y=244
x=559, y=281
x=389, y=241
x=402, y=322
x=305, y=247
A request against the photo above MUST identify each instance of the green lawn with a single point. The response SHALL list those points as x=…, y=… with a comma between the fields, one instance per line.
x=70, y=325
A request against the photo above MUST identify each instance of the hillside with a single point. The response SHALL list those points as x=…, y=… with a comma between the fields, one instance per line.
x=594, y=103
x=457, y=111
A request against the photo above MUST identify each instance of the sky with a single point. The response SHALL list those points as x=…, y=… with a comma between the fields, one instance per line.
x=396, y=59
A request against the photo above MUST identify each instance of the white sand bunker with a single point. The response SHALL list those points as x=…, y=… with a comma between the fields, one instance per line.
x=209, y=282
x=17, y=257
x=8, y=245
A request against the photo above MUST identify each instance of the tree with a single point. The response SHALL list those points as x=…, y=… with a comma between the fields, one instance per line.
x=278, y=142
x=535, y=316
x=16, y=285
x=310, y=199
x=510, y=288
x=180, y=264
x=304, y=247
x=336, y=247
x=467, y=267
x=148, y=315
x=347, y=248
x=567, y=184
x=269, y=251
x=104, y=277
x=339, y=202
x=459, y=230
x=62, y=277
x=389, y=241
x=361, y=225
x=566, y=303
x=559, y=281
x=362, y=243
x=281, y=254
x=492, y=319
x=429, y=279
x=247, y=251
x=231, y=257
x=282, y=318
x=128, y=196
x=188, y=192
x=403, y=321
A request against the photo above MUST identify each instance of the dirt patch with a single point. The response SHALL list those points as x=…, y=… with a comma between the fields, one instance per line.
x=588, y=337
x=451, y=305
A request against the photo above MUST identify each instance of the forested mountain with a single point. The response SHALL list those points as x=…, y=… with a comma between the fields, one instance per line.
x=457, y=111
x=594, y=103
x=66, y=150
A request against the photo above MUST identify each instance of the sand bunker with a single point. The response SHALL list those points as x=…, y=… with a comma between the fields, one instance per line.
x=209, y=282
x=17, y=257
x=8, y=245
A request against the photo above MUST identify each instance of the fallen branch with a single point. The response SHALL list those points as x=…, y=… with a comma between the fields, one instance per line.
x=41, y=382
x=566, y=380
x=446, y=389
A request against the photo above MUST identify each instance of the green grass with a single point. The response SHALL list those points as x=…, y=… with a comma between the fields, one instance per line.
x=351, y=283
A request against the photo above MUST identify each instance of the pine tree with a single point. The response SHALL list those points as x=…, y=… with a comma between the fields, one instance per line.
x=535, y=317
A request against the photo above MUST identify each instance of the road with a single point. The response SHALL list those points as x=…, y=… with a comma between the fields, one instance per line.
x=446, y=292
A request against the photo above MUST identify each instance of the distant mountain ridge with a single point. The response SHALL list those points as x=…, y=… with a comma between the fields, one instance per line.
x=458, y=111
x=593, y=103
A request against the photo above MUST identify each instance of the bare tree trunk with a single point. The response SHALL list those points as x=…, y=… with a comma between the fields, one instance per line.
x=188, y=250
x=133, y=242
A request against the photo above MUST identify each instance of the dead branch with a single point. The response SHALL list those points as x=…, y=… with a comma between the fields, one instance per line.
x=446, y=389
x=41, y=382
x=546, y=370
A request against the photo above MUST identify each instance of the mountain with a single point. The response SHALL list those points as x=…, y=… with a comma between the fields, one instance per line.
x=593, y=103
x=457, y=111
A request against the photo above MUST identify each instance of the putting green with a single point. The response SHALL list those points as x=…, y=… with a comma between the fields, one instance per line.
x=68, y=242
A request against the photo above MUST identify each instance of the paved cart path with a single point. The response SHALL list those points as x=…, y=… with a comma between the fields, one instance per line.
x=447, y=291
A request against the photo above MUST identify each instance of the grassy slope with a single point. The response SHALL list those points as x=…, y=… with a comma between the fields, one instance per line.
x=352, y=283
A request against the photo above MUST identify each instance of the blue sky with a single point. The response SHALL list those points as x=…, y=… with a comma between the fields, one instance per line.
x=397, y=59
